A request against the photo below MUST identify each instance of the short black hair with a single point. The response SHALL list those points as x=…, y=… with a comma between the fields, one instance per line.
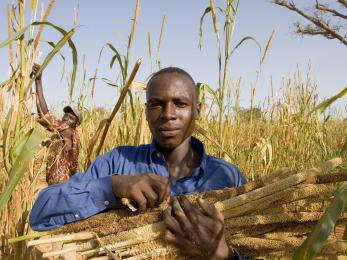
x=171, y=70
x=178, y=71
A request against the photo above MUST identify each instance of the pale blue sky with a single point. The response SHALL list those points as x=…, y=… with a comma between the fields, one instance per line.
x=110, y=21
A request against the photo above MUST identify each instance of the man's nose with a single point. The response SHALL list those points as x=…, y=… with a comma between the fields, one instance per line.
x=168, y=112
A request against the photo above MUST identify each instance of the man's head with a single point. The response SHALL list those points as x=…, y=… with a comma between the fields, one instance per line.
x=172, y=106
x=72, y=116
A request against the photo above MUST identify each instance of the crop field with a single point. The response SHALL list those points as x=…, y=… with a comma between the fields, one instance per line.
x=293, y=130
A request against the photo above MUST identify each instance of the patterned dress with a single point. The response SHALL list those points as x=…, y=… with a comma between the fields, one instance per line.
x=61, y=161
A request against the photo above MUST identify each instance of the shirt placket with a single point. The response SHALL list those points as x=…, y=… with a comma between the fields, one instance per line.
x=161, y=166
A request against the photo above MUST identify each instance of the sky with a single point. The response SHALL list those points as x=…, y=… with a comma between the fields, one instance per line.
x=109, y=21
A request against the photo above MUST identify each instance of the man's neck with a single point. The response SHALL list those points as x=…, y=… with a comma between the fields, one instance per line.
x=181, y=160
x=175, y=156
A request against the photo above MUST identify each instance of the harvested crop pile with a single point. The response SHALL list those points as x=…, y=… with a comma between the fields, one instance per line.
x=269, y=217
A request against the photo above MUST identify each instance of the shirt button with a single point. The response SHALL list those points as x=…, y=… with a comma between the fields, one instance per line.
x=77, y=215
x=106, y=203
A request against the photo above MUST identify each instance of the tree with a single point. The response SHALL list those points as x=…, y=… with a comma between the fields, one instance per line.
x=327, y=20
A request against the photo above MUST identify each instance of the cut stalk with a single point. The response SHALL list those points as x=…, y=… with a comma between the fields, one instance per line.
x=106, y=124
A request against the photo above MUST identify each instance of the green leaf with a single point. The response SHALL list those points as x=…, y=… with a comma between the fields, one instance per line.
x=325, y=104
x=118, y=57
x=33, y=234
x=107, y=81
x=26, y=150
x=63, y=32
x=5, y=83
x=247, y=38
x=325, y=225
x=50, y=55
x=210, y=90
x=100, y=53
x=5, y=142
x=112, y=61
x=207, y=10
x=14, y=36
x=52, y=44
x=73, y=50
x=201, y=91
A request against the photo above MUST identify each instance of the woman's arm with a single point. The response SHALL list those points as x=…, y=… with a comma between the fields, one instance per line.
x=41, y=104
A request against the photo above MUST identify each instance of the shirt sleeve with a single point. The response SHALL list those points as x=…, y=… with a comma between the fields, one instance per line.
x=241, y=180
x=84, y=195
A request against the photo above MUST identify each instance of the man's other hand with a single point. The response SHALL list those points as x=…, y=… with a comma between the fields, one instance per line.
x=198, y=231
x=34, y=71
x=148, y=190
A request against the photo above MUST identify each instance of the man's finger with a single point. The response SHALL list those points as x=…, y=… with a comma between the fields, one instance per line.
x=162, y=188
x=210, y=210
x=193, y=213
x=157, y=178
x=151, y=196
x=176, y=240
x=171, y=223
x=140, y=200
x=186, y=225
x=166, y=192
x=181, y=242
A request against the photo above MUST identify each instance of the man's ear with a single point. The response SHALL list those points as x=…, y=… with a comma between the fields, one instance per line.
x=197, y=111
x=146, y=112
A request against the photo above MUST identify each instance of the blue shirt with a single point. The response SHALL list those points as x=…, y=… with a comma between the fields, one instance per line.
x=89, y=193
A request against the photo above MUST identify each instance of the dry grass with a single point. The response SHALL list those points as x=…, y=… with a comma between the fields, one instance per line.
x=281, y=133
x=284, y=131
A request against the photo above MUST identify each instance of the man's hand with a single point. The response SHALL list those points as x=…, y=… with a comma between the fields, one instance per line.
x=34, y=71
x=199, y=232
x=148, y=190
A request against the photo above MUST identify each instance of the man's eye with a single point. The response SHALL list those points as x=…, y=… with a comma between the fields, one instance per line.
x=181, y=104
x=154, y=105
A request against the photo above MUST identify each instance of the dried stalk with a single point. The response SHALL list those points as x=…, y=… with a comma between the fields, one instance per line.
x=263, y=244
x=106, y=124
x=67, y=238
x=59, y=252
x=278, y=186
x=246, y=221
x=278, y=198
x=44, y=19
x=108, y=252
x=10, y=32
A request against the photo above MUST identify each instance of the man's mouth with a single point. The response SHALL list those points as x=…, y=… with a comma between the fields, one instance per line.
x=169, y=132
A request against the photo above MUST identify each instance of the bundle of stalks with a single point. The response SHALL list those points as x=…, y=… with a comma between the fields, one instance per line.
x=269, y=217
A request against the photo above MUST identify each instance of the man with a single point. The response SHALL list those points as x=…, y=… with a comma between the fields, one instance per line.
x=174, y=163
x=62, y=160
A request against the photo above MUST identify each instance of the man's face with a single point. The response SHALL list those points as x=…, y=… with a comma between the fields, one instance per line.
x=171, y=109
x=70, y=119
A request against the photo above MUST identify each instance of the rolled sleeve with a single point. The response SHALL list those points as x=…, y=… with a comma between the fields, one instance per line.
x=71, y=201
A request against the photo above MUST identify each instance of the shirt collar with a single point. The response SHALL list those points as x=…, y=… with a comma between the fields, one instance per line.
x=197, y=145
